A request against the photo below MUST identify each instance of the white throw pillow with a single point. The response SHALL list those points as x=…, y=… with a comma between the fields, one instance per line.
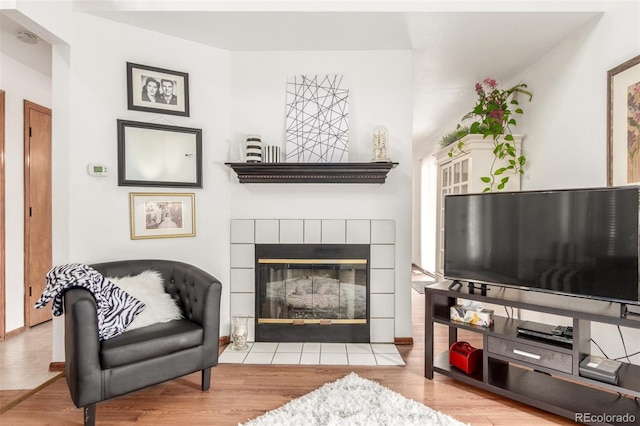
x=149, y=289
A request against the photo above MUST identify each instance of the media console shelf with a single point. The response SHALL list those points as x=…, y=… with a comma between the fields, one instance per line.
x=533, y=372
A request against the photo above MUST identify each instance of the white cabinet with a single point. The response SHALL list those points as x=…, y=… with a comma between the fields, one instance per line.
x=462, y=174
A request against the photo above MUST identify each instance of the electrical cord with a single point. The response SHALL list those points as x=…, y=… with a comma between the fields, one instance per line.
x=506, y=310
x=603, y=353
x=626, y=355
x=624, y=346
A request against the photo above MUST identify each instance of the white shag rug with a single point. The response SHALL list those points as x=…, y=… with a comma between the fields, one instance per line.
x=353, y=401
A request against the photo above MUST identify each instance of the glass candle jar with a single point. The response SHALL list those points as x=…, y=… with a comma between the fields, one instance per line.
x=239, y=332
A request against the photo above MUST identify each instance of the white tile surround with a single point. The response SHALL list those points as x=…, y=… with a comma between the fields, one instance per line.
x=379, y=233
x=314, y=354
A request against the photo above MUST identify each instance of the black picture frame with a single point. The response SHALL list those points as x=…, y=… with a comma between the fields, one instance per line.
x=623, y=132
x=159, y=155
x=140, y=82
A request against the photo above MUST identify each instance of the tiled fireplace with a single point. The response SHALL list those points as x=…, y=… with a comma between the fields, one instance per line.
x=314, y=280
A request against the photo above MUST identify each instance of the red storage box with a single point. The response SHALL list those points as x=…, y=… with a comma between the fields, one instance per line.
x=465, y=357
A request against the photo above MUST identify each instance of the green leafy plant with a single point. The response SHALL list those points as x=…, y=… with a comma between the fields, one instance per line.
x=493, y=115
x=453, y=136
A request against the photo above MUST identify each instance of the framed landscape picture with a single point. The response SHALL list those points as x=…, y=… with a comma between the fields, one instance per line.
x=623, y=123
x=157, y=90
x=162, y=215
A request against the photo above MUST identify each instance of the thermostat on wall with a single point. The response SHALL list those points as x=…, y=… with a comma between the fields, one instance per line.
x=97, y=169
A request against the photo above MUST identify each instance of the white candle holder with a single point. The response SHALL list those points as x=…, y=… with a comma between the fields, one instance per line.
x=380, y=144
x=239, y=332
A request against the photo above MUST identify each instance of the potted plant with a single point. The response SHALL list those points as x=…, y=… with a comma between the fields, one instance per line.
x=453, y=136
x=494, y=114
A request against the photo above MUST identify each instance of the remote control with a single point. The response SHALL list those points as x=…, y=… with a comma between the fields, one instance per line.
x=560, y=330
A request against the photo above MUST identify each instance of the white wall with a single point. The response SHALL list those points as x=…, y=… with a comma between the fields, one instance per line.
x=61, y=124
x=380, y=93
x=20, y=83
x=92, y=214
x=98, y=209
x=566, y=122
x=90, y=93
x=565, y=125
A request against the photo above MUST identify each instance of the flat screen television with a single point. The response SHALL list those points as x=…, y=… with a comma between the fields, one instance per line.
x=580, y=242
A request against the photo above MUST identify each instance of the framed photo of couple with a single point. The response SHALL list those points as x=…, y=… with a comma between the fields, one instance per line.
x=157, y=90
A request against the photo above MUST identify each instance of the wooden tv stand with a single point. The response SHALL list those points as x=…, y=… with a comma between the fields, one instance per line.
x=547, y=375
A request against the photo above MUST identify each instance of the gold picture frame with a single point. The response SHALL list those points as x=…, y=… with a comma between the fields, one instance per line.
x=162, y=215
x=623, y=123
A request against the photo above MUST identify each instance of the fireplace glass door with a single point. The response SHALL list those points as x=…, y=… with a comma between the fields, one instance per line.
x=312, y=291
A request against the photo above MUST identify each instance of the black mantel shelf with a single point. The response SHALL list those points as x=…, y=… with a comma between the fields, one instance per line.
x=373, y=172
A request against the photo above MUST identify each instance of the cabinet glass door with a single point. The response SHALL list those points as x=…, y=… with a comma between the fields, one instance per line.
x=454, y=180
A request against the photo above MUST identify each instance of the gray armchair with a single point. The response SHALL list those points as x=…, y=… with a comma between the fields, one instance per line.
x=99, y=370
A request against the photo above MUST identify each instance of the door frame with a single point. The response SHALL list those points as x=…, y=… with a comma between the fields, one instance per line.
x=2, y=220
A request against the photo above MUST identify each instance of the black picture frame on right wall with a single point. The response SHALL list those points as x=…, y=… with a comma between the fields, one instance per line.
x=623, y=123
x=159, y=90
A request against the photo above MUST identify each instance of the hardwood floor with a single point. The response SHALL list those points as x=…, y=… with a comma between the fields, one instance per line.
x=242, y=392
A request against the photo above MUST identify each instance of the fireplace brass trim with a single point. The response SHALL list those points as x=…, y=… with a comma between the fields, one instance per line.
x=315, y=261
x=309, y=321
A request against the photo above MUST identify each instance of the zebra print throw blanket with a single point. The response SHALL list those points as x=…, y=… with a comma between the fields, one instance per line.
x=116, y=308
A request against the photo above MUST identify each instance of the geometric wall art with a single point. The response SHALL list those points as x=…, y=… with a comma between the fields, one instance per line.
x=317, y=119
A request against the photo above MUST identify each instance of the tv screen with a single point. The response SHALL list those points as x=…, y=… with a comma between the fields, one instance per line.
x=582, y=242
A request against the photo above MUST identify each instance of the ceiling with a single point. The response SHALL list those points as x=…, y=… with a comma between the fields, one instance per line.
x=36, y=56
x=452, y=50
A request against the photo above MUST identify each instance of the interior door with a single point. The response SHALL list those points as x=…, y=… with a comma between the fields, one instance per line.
x=38, y=228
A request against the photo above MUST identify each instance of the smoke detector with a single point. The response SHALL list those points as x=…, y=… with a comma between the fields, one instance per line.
x=27, y=37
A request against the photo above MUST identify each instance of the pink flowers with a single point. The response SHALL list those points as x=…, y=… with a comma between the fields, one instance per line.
x=490, y=82
x=493, y=116
x=492, y=110
x=496, y=114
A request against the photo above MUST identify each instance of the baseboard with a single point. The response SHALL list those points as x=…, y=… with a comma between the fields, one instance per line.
x=422, y=270
x=14, y=332
x=56, y=366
